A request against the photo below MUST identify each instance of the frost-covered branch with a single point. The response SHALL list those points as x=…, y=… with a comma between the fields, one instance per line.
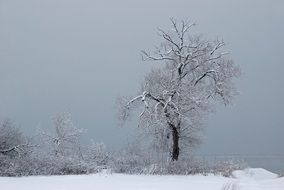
x=16, y=148
x=204, y=75
x=217, y=46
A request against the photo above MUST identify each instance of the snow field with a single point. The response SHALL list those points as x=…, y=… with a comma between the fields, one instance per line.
x=249, y=179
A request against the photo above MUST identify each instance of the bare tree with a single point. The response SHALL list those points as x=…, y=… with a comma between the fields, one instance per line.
x=177, y=97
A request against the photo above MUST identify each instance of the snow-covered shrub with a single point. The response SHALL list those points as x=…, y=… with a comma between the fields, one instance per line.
x=124, y=162
x=67, y=166
x=132, y=160
x=46, y=165
x=59, y=154
x=98, y=154
x=14, y=148
x=225, y=168
x=12, y=142
x=141, y=162
x=137, y=159
x=185, y=166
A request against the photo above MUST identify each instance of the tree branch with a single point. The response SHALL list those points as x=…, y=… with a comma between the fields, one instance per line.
x=204, y=75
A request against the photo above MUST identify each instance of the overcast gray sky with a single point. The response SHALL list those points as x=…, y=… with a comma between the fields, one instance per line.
x=79, y=55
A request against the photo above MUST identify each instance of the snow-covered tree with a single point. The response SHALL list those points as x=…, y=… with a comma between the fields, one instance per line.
x=12, y=142
x=196, y=73
x=66, y=140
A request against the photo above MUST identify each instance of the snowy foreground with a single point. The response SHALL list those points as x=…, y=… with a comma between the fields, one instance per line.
x=249, y=179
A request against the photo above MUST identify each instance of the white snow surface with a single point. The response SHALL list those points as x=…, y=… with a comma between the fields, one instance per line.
x=249, y=179
x=254, y=173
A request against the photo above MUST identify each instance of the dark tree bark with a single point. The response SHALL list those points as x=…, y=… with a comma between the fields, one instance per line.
x=175, y=148
x=175, y=142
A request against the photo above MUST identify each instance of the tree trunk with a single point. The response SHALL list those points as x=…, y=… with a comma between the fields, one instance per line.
x=175, y=145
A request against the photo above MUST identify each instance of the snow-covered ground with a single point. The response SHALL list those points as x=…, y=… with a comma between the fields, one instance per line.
x=249, y=179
